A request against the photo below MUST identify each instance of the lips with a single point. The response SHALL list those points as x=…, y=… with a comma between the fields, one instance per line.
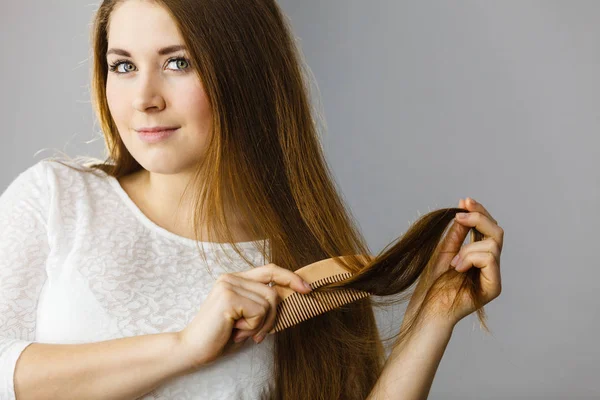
x=156, y=136
x=157, y=129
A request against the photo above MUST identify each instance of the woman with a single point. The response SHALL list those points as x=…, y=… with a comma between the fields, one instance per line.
x=211, y=143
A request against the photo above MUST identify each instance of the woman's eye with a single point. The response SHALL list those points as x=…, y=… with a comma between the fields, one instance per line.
x=180, y=61
x=122, y=63
x=182, y=64
x=114, y=67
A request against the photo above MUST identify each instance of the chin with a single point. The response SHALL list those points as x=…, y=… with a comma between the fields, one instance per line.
x=163, y=168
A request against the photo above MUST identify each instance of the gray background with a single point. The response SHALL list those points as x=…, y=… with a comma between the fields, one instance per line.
x=425, y=102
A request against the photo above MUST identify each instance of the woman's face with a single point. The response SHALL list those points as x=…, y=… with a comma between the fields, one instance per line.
x=148, y=89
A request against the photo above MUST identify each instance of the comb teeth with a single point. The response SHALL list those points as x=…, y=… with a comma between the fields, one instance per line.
x=299, y=307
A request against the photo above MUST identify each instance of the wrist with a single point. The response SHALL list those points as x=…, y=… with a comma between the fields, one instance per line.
x=180, y=355
x=436, y=322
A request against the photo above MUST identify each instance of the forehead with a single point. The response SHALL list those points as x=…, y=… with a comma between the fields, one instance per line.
x=138, y=25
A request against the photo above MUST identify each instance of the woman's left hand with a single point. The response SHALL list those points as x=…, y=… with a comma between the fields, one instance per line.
x=483, y=254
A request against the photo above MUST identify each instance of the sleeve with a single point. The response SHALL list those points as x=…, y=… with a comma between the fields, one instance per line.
x=24, y=249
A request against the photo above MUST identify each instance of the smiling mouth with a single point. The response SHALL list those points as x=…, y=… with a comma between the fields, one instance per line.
x=157, y=136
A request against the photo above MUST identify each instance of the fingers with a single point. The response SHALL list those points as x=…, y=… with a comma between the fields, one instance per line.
x=251, y=287
x=280, y=276
x=261, y=294
x=247, y=323
x=243, y=304
x=485, y=246
x=483, y=224
x=484, y=254
x=450, y=245
x=491, y=284
x=453, y=239
x=471, y=205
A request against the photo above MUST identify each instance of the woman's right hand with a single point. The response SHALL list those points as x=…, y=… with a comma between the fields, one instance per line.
x=241, y=300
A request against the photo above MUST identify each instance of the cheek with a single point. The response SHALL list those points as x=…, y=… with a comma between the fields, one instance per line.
x=193, y=102
x=116, y=105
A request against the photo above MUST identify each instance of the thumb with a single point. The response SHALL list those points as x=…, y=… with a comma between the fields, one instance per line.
x=452, y=241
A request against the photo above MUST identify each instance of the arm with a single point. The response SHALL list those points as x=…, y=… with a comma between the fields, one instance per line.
x=409, y=370
x=115, y=369
x=125, y=368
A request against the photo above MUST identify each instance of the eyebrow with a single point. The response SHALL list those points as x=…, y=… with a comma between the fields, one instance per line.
x=161, y=52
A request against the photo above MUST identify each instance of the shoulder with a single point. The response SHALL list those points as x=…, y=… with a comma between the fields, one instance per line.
x=70, y=180
x=69, y=172
x=31, y=183
x=34, y=178
x=71, y=166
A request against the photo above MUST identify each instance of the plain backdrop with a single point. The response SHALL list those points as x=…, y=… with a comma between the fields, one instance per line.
x=425, y=102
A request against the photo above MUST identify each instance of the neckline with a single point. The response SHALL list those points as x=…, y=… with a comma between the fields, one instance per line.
x=114, y=183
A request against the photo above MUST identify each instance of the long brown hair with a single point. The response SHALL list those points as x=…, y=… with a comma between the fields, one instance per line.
x=265, y=158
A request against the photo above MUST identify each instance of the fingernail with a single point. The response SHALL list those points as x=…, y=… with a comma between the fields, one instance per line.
x=461, y=215
x=454, y=260
x=259, y=338
x=473, y=201
x=307, y=285
x=239, y=339
x=458, y=266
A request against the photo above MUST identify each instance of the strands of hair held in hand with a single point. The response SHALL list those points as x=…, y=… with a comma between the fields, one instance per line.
x=391, y=272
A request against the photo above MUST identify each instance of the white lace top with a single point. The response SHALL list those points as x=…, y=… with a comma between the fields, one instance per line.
x=80, y=263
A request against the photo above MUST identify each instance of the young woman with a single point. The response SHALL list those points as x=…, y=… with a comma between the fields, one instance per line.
x=212, y=146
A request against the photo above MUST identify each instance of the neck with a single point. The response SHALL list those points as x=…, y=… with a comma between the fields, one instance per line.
x=159, y=196
x=165, y=192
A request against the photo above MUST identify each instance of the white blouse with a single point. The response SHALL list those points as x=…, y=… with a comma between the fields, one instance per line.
x=80, y=263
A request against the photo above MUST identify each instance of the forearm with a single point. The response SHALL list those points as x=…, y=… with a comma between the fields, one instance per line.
x=409, y=370
x=124, y=368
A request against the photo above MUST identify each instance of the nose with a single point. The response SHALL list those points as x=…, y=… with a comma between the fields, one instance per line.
x=148, y=94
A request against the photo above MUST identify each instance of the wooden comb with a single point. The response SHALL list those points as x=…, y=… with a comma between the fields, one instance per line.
x=296, y=307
